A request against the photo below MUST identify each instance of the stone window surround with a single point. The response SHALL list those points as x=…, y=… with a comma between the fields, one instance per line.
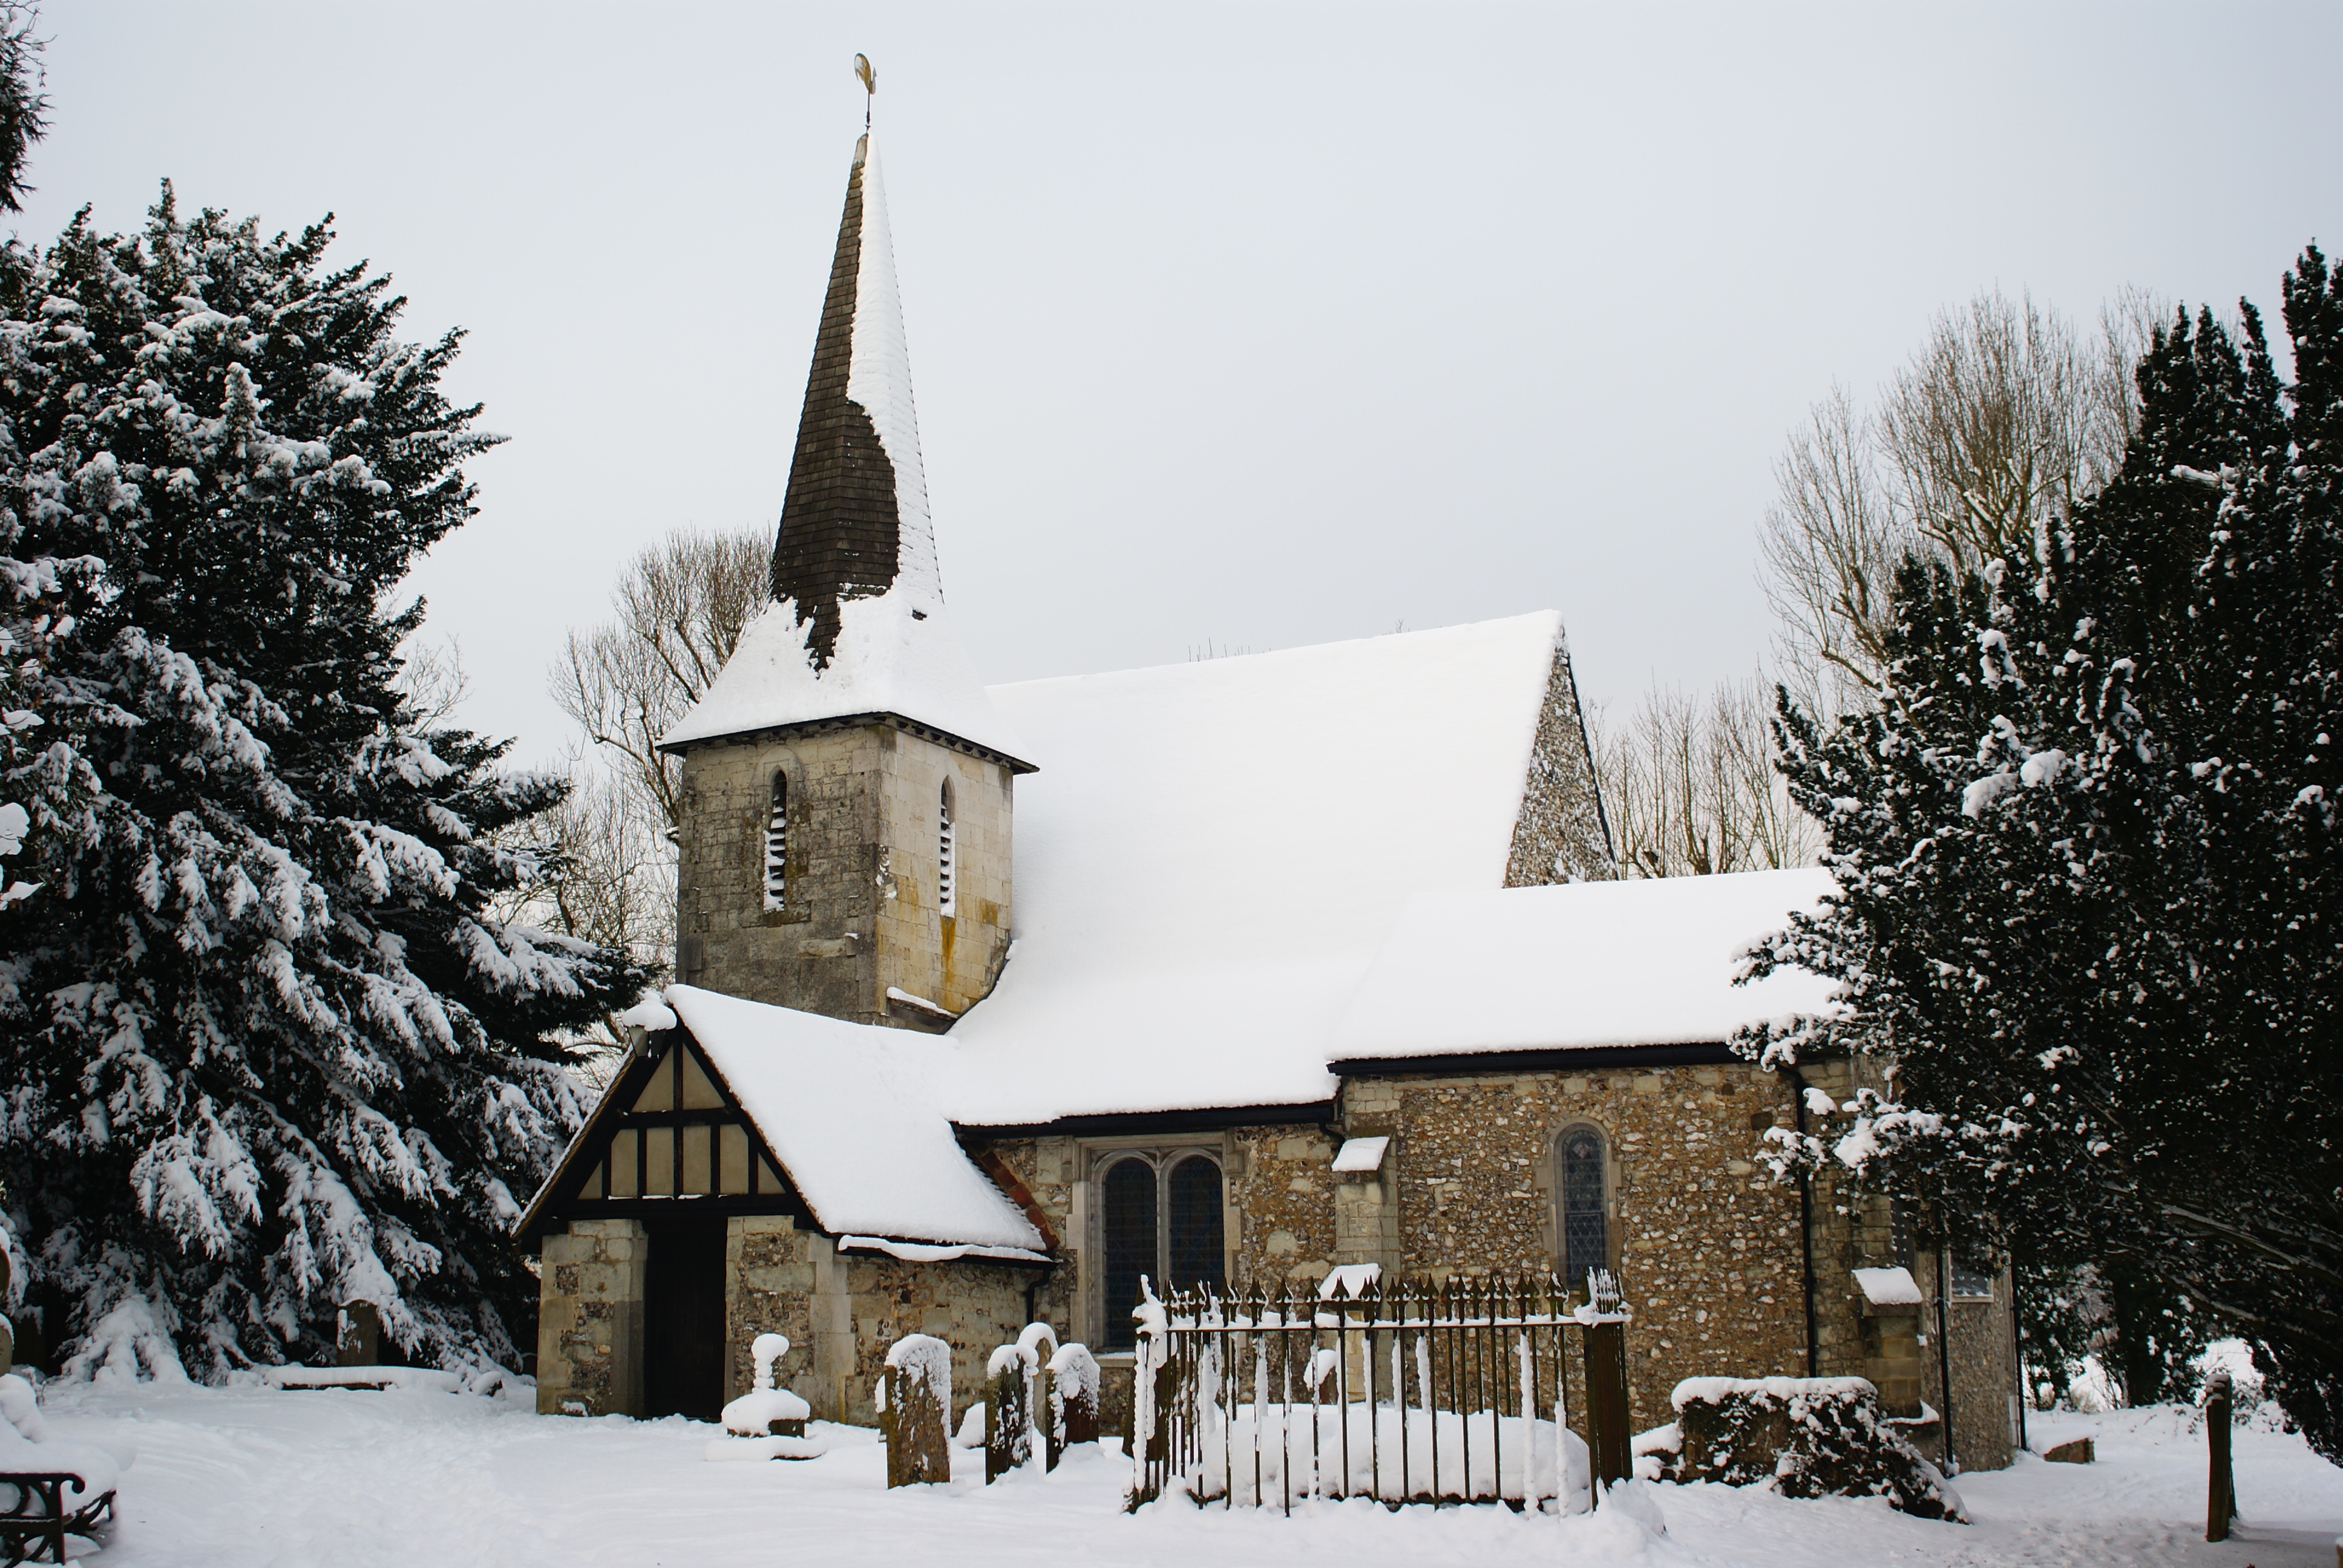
x=1545, y=1177
x=1092, y=1156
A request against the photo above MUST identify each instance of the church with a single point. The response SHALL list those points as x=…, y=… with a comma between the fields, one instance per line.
x=993, y=1003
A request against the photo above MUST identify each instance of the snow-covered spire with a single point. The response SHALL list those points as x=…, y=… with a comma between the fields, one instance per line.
x=856, y=625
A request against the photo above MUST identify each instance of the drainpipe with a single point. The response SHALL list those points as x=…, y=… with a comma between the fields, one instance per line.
x=2017, y=1355
x=1944, y=1352
x=1805, y=1222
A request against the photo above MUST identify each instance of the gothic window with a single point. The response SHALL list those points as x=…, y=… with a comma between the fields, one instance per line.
x=777, y=846
x=944, y=846
x=1971, y=1280
x=1160, y=1215
x=1585, y=1222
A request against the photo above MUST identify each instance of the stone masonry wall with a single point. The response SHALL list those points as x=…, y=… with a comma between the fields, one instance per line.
x=589, y=1325
x=1282, y=1193
x=1708, y=1244
x=861, y=909
x=841, y=1314
x=1560, y=835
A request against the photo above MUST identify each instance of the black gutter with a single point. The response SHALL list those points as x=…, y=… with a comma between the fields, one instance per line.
x=1944, y=1349
x=1805, y=1220
x=1550, y=1059
x=1146, y=1123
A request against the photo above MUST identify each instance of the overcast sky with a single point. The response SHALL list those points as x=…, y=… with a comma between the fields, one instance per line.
x=1255, y=325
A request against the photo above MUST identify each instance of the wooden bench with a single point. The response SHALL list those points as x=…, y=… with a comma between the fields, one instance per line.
x=40, y=1517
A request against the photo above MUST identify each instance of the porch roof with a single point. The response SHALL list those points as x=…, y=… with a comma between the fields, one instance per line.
x=847, y=1111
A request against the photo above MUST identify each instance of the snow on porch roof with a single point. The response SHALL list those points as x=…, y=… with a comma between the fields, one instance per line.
x=1212, y=851
x=1634, y=962
x=845, y=1108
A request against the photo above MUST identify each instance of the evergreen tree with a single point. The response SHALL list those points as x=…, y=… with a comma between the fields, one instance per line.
x=2086, y=854
x=24, y=107
x=264, y=1048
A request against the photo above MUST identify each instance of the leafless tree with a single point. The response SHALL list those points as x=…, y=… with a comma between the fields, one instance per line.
x=2006, y=417
x=434, y=680
x=1689, y=786
x=607, y=876
x=677, y=612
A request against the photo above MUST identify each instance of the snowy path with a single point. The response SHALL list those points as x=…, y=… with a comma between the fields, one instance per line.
x=255, y=1477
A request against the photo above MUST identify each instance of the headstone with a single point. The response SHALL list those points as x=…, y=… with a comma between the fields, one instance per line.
x=1041, y=1394
x=1074, y=1394
x=357, y=1338
x=1008, y=1424
x=914, y=1411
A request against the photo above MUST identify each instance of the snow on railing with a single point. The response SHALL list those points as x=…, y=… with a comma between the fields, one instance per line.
x=1408, y=1390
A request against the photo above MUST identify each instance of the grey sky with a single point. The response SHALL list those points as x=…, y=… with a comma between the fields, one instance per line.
x=1261, y=325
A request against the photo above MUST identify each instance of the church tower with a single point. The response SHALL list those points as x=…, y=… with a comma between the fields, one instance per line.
x=847, y=785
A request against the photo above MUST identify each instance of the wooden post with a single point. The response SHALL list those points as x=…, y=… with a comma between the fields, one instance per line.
x=1607, y=1438
x=2221, y=1489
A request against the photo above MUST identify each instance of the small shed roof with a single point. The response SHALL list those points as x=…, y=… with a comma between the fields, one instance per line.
x=1634, y=962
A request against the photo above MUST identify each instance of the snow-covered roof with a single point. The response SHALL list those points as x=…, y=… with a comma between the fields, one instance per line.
x=847, y=1111
x=1214, y=850
x=1625, y=963
x=886, y=661
x=856, y=625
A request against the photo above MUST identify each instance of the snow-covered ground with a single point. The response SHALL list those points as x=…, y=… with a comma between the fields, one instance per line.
x=252, y=1476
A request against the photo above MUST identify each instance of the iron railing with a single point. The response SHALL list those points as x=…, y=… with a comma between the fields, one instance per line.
x=1412, y=1391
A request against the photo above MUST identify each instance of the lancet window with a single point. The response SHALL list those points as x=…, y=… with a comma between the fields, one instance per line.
x=1583, y=1201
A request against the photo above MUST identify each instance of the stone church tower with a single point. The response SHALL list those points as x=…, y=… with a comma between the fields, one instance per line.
x=847, y=785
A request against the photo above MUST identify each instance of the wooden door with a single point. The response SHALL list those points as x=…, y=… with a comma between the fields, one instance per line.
x=683, y=1317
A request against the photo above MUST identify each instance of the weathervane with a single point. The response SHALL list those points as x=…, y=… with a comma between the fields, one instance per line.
x=870, y=79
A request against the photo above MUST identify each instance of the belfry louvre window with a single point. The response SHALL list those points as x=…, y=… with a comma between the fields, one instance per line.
x=1159, y=1216
x=1584, y=1219
x=945, y=845
x=777, y=847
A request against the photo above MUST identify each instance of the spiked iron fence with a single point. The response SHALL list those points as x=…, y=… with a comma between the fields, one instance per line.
x=1415, y=1391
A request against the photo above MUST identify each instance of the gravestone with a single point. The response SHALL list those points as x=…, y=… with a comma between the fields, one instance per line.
x=357, y=1335
x=1073, y=1374
x=1008, y=1424
x=914, y=1411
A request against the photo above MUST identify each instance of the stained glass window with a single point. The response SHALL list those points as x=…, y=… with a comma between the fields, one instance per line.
x=1585, y=1228
x=1127, y=1213
x=1194, y=1232
x=1161, y=1220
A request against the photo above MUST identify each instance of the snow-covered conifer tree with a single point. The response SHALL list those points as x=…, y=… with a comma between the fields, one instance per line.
x=2087, y=851
x=263, y=1049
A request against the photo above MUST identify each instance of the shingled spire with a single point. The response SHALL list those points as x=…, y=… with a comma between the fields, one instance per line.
x=855, y=520
x=856, y=625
